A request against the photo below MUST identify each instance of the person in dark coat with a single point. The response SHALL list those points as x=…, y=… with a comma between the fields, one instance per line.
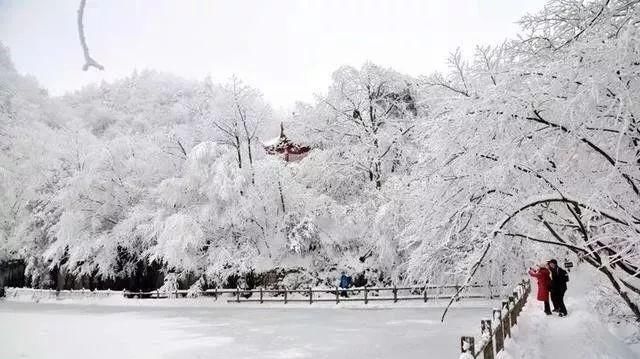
x=558, y=287
x=542, y=275
x=345, y=282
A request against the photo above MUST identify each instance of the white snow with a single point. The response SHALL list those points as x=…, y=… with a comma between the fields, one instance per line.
x=271, y=142
x=203, y=328
x=53, y=331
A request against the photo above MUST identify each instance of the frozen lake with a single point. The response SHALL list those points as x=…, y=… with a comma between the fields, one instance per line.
x=70, y=331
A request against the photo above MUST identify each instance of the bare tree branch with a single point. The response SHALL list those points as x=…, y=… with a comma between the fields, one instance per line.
x=538, y=118
x=88, y=60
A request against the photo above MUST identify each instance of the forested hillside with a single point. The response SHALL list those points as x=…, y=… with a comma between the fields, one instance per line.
x=524, y=150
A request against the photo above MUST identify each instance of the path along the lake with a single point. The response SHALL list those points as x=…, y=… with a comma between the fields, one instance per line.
x=580, y=335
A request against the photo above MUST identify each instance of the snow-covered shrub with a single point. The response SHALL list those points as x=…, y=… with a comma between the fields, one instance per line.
x=170, y=284
x=302, y=235
x=195, y=290
x=298, y=279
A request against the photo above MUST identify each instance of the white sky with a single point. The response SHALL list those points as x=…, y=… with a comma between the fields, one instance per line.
x=286, y=48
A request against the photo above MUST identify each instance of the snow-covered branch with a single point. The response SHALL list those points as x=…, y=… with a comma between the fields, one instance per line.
x=88, y=60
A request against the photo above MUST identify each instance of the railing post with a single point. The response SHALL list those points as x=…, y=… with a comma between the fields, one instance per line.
x=366, y=295
x=506, y=321
x=237, y=294
x=261, y=298
x=285, y=295
x=487, y=334
x=515, y=310
x=310, y=296
x=215, y=293
x=425, y=293
x=497, y=316
x=337, y=296
x=395, y=294
x=467, y=345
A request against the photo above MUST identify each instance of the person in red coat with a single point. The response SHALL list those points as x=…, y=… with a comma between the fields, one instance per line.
x=543, y=276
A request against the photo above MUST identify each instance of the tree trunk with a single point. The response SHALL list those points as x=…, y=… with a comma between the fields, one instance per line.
x=250, y=156
x=592, y=258
x=624, y=295
x=238, y=150
x=281, y=197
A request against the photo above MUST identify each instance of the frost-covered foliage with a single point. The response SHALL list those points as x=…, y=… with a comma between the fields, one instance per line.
x=195, y=290
x=525, y=151
x=542, y=148
x=170, y=284
x=151, y=169
x=364, y=125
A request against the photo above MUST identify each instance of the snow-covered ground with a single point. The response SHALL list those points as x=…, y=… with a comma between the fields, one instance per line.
x=121, y=328
x=45, y=330
x=580, y=335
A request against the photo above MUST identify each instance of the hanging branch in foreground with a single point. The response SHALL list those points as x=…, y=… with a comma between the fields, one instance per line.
x=474, y=269
x=88, y=60
x=580, y=251
x=596, y=263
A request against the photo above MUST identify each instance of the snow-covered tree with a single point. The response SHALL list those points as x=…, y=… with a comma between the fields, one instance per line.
x=545, y=151
x=365, y=122
x=529, y=149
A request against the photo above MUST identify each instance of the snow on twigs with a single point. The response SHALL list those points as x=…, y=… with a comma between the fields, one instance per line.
x=522, y=152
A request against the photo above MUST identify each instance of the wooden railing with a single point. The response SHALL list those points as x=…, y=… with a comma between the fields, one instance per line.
x=285, y=295
x=37, y=293
x=314, y=295
x=493, y=332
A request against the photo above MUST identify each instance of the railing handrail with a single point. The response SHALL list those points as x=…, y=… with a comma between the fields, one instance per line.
x=309, y=292
x=313, y=289
x=496, y=330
